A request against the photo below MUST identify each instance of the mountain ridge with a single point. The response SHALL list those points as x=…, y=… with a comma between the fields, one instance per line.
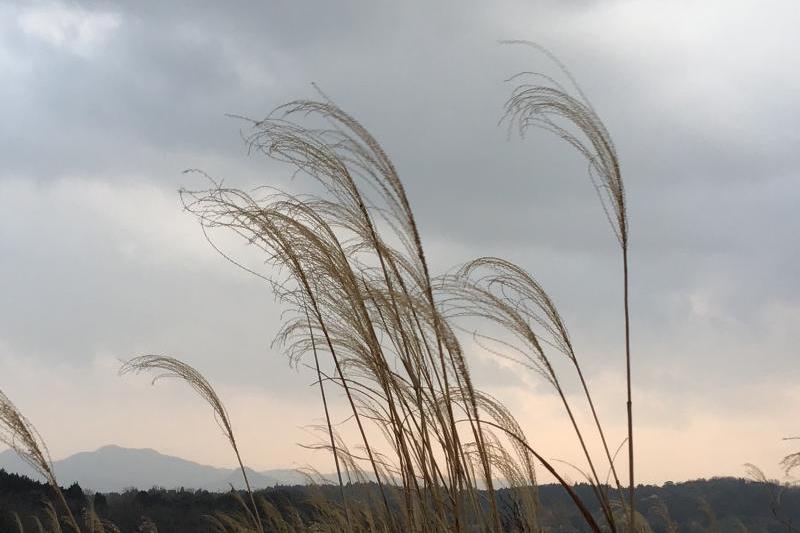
x=114, y=468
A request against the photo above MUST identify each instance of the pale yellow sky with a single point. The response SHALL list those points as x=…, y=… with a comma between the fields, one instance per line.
x=675, y=441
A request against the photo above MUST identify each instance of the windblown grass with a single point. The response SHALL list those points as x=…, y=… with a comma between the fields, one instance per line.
x=20, y=435
x=380, y=331
x=169, y=367
x=791, y=461
x=540, y=101
x=384, y=332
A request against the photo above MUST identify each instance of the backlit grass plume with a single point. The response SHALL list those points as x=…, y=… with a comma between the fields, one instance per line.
x=20, y=435
x=169, y=367
x=540, y=101
x=382, y=331
x=504, y=295
x=791, y=461
x=369, y=306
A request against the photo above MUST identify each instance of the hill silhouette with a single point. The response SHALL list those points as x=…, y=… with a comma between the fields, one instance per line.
x=721, y=504
x=114, y=469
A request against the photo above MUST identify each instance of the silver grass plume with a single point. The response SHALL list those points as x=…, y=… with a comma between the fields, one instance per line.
x=170, y=367
x=17, y=432
x=540, y=101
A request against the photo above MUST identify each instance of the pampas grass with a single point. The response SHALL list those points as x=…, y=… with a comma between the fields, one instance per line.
x=791, y=461
x=539, y=101
x=169, y=367
x=381, y=332
x=20, y=435
x=356, y=281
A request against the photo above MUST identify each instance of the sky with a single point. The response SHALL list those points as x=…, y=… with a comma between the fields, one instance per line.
x=104, y=104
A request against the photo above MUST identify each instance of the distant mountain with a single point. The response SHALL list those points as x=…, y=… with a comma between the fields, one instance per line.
x=113, y=469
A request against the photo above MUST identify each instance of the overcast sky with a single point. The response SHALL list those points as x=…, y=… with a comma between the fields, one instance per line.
x=104, y=104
